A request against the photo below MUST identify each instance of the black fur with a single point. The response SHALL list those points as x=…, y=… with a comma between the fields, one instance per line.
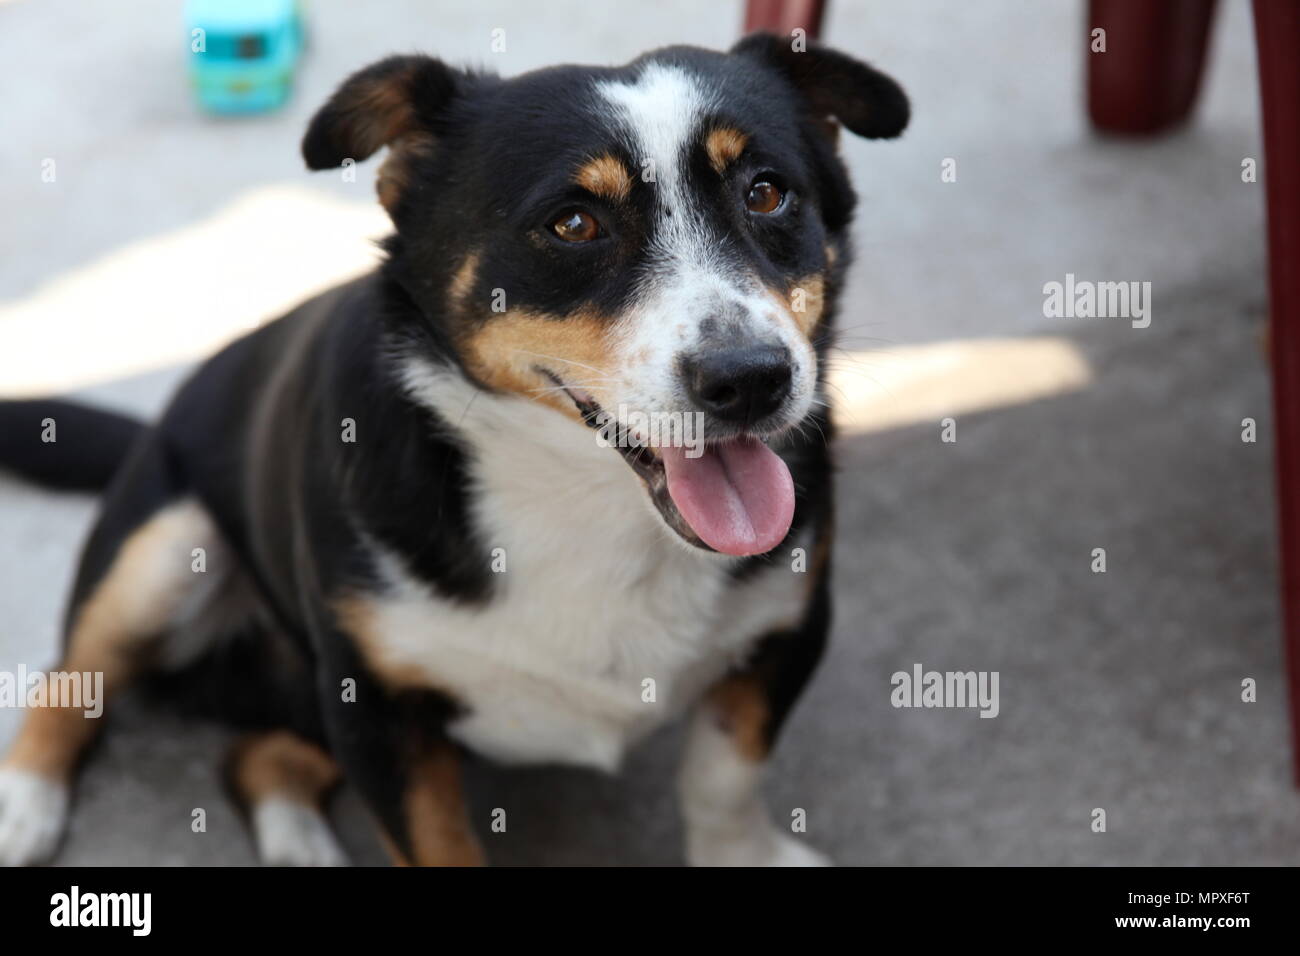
x=89, y=447
x=378, y=104
x=865, y=100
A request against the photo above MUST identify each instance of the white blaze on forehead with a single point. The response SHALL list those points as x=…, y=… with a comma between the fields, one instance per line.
x=663, y=111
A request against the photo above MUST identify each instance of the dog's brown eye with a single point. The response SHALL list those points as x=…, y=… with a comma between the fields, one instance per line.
x=764, y=197
x=576, y=226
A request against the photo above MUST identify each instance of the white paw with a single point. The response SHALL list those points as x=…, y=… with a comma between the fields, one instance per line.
x=790, y=851
x=33, y=811
x=761, y=847
x=293, y=834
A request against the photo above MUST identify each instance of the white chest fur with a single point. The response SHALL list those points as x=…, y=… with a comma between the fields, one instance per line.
x=604, y=624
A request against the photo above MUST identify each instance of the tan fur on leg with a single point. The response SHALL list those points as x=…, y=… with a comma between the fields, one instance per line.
x=438, y=825
x=112, y=629
x=284, y=780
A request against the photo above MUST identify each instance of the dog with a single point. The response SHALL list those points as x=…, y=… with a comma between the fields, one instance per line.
x=419, y=516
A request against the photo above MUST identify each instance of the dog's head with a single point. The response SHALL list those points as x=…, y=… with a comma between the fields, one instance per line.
x=641, y=248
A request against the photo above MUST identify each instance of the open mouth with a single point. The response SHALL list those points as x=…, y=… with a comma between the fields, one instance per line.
x=734, y=496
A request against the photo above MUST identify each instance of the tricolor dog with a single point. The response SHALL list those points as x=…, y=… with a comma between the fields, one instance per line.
x=414, y=545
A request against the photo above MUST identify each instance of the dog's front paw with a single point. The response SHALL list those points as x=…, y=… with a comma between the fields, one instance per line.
x=790, y=851
x=33, y=811
x=767, y=847
x=293, y=834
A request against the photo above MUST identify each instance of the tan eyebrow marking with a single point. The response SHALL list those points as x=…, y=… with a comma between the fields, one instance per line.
x=724, y=146
x=605, y=176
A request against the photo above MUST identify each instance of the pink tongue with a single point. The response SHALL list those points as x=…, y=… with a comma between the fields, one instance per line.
x=737, y=496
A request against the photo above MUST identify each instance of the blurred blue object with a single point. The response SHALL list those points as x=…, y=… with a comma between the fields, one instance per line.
x=243, y=52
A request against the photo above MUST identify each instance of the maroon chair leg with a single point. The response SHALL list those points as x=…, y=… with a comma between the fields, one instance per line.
x=1148, y=77
x=782, y=16
x=1277, y=36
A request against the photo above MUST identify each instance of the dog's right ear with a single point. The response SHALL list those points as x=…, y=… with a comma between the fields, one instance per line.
x=397, y=102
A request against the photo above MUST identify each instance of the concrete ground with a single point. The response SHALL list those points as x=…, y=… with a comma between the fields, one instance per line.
x=165, y=233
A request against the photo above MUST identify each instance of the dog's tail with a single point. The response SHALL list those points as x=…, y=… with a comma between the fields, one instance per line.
x=64, y=445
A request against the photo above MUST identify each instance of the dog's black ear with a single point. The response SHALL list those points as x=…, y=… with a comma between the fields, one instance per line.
x=398, y=102
x=863, y=99
x=377, y=106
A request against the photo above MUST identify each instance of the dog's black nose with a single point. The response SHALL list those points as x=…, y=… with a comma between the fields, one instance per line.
x=742, y=385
